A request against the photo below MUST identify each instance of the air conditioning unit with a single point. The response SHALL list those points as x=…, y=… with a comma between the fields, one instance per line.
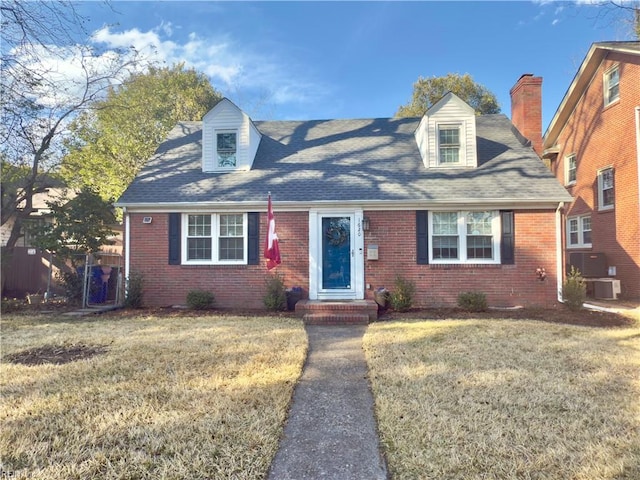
x=606, y=288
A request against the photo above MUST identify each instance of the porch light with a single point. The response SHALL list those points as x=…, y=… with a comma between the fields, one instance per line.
x=365, y=224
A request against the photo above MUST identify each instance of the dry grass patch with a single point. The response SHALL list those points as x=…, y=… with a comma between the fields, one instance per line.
x=501, y=399
x=165, y=397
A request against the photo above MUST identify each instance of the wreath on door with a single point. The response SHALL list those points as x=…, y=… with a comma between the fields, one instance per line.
x=337, y=235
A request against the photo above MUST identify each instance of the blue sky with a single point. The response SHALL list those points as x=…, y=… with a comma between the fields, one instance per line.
x=320, y=60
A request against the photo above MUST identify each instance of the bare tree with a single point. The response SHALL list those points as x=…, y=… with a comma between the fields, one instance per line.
x=48, y=77
x=625, y=13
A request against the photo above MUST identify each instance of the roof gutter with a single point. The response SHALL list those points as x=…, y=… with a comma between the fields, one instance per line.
x=489, y=203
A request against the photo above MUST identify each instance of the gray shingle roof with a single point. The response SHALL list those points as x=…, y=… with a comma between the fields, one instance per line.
x=362, y=161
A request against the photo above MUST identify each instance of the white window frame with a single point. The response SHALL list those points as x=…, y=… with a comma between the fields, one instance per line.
x=580, y=223
x=609, y=85
x=235, y=152
x=567, y=169
x=601, y=205
x=215, y=237
x=496, y=234
x=450, y=126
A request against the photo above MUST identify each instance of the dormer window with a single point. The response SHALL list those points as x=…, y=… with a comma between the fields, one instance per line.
x=226, y=149
x=446, y=135
x=449, y=144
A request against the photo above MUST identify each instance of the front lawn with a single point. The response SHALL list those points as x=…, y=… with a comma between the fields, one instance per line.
x=506, y=399
x=145, y=396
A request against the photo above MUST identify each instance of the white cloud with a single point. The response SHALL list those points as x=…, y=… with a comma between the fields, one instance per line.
x=64, y=72
x=257, y=80
x=233, y=68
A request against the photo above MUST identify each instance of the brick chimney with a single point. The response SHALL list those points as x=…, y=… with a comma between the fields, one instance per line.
x=526, y=109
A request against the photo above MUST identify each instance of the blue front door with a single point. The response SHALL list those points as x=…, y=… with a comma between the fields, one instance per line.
x=336, y=253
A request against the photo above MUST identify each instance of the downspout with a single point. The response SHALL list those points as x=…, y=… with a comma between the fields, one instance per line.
x=127, y=240
x=638, y=147
x=559, y=252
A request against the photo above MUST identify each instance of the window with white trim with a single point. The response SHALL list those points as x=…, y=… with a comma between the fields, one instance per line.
x=215, y=238
x=449, y=145
x=570, y=169
x=611, y=85
x=464, y=237
x=579, y=231
x=226, y=146
x=606, y=189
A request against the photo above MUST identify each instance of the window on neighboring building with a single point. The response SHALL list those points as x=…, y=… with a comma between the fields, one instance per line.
x=448, y=144
x=215, y=238
x=606, y=189
x=464, y=237
x=579, y=231
x=226, y=149
x=611, y=85
x=570, y=169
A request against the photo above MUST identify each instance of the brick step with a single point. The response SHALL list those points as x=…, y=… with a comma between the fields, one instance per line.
x=351, y=310
x=335, y=319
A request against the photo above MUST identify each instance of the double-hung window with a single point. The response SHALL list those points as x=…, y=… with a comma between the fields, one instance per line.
x=606, y=189
x=226, y=146
x=570, y=169
x=215, y=238
x=449, y=144
x=464, y=237
x=445, y=237
x=611, y=85
x=579, y=231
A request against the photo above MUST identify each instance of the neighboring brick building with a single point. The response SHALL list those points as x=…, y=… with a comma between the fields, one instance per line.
x=451, y=201
x=593, y=147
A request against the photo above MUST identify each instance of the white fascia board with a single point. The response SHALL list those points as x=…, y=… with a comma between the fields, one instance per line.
x=381, y=205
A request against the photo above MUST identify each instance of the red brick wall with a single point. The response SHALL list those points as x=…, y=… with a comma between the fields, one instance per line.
x=439, y=285
x=394, y=232
x=602, y=137
x=234, y=286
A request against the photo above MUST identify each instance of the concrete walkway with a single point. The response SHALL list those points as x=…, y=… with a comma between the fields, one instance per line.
x=331, y=432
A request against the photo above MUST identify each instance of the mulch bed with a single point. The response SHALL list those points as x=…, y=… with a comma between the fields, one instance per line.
x=56, y=354
x=561, y=314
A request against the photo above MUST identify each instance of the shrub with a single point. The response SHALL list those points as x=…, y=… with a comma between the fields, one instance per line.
x=401, y=298
x=275, y=297
x=73, y=286
x=200, y=299
x=574, y=290
x=133, y=296
x=472, y=301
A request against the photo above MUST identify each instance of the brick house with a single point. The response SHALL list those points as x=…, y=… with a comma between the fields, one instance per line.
x=451, y=201
x=592, y=145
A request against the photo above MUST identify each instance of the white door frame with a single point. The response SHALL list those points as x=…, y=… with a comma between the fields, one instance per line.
x=315, y=255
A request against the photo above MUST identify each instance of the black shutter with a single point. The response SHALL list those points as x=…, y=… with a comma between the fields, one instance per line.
x=507, y=242
x=253, y=237
x=422, y=237
x=174, y=238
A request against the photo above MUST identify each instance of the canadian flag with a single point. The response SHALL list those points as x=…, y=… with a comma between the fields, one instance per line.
x=271, y=250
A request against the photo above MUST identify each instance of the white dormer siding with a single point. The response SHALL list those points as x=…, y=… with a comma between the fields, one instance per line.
x=446, y=135
x=224, y=127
